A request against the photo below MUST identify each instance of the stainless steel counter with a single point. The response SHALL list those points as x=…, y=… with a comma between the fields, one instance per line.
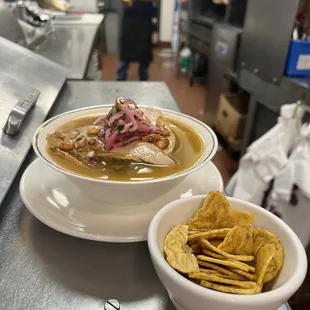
x=79, y=19
x=70, y=47
x=21, y=71
x=43, y=269
x=9, y=27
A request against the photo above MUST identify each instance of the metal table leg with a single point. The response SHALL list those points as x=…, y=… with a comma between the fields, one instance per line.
x=249, y=124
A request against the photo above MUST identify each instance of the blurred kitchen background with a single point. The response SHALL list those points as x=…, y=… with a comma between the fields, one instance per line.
x=229, y=63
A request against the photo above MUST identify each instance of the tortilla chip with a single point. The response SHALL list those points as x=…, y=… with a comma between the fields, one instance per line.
x=262, y=237
x=217, y=213
x=179, y=256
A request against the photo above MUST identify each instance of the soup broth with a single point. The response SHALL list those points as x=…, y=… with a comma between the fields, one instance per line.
x=188, y=149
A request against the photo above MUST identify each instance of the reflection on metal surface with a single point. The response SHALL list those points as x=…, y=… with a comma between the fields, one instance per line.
x=70, y=47
x=22, y=71
x=10, y=28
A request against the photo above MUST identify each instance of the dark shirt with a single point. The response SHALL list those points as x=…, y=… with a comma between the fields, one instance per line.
x=138, y=9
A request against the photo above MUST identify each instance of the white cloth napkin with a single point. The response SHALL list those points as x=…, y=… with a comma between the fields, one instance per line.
x=266, y=156
x=295, y=214
x=290, y=195
x=297, y=169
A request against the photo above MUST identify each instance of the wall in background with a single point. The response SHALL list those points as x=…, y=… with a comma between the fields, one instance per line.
x=89, y=5
x=166, y=19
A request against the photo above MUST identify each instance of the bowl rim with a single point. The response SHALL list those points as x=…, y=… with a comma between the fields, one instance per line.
x=154, y=181
x=287, y=288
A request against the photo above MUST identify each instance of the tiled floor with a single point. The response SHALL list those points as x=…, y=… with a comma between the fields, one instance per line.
x=190, y=99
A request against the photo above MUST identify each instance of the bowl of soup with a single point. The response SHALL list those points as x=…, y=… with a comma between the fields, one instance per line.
x=124, y=154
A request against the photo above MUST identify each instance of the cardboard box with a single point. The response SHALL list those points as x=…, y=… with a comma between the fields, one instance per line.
x=231, y=115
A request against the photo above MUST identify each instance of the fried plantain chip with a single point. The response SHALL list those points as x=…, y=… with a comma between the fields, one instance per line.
x=196, y=248
x=219, y=269
x=209, y=271
x=248, y=227
x=193, y=232
x=221, y=250
x=232, y=277
x=217, y=213
x=228, y=263
x=245, y=258
x=216, y=243
x=179, y=256
x=210, y=234
x=228, y=289
x=212, y=254
x=238, y=241
x=215, y=278
x=264, y=257
x=262, y=237
x=247, y=275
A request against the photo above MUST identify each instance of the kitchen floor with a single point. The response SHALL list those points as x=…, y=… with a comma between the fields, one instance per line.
x=191, y=100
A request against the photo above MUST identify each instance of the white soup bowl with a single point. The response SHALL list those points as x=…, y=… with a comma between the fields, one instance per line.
x=118, y=192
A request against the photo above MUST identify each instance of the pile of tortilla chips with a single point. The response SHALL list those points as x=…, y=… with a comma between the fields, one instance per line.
x=221, y=250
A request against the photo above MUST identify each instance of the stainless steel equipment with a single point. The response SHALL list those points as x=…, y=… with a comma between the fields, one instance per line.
x=10, y=28
x=44, y=269
x=23, y=72
x=30, y=12
x=221, y=64
x=70, y=46
x=70, y=40
x=261, y=63
x=265, y=41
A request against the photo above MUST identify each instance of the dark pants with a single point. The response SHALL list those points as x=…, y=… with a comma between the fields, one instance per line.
x=123, y=68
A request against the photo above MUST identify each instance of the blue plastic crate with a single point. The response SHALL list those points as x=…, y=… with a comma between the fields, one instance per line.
x=298, y=60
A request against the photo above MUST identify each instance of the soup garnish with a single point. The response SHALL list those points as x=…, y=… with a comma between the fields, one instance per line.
x=127, y=144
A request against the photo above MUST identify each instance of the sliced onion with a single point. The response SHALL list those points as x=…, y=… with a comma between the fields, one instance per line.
x=98, y=120
x=111, y=141
x=107, y=134
x=130, y=102
x=135, y=124
x=115, y=117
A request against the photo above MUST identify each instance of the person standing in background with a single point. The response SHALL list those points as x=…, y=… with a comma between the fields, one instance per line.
x=136, y=37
